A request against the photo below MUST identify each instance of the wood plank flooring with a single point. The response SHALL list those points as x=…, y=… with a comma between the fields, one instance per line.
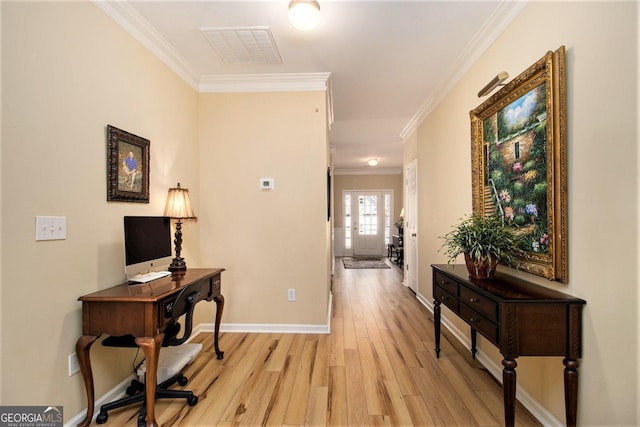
x=376, y=368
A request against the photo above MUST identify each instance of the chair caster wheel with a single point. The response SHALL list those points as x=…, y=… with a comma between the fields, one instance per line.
x=102, y=418
x=135, y=388
x=192, y=400
x=183, y=380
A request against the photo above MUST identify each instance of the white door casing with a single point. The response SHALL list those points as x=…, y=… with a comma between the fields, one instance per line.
x=411, y=226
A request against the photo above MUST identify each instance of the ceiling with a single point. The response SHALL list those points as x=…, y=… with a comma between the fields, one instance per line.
x=385, y=64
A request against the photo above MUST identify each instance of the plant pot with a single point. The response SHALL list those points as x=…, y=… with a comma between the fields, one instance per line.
x=481, y=269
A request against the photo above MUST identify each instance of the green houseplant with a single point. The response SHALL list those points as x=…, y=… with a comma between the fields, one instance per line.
x=484, y=241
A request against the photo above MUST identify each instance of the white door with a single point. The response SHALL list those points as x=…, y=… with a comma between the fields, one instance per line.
x=368, y=234
x=411, y=226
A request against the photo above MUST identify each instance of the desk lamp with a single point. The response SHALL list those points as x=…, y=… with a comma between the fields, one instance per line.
x=178, y=207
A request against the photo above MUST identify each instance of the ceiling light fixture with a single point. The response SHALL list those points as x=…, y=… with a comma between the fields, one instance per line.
x=304, y=14
x=372, y=162
x=497, y=81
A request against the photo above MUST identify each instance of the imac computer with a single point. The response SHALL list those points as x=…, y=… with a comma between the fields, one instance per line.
x=147, y=247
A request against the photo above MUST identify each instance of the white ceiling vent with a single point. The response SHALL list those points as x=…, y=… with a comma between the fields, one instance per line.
x=244, y=45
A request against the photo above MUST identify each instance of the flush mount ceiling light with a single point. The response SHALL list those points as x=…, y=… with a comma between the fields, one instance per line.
x=372, y=162
x=304, y=14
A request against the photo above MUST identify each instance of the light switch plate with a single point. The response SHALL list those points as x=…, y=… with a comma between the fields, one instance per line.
x=51, y=228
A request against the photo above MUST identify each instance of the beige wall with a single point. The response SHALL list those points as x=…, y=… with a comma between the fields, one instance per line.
x=68, y=71
x=269, y=241
x=601, y=41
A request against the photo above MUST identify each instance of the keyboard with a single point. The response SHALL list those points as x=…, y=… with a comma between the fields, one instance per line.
x=154, y=275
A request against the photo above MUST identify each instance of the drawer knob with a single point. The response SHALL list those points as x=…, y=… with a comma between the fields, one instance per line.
x=444, y=298
x=474, y=320
x=474, y=300
x=444, y=282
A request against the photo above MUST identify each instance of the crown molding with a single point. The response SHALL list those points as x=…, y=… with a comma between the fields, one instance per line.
x=133, y=23
x=138, y=27
x=293, y=82
x=506, y=12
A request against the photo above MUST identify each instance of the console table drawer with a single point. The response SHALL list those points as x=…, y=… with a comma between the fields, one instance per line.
x=447, y=299
x=446, y=283
x=479, y=303
x=480, y=323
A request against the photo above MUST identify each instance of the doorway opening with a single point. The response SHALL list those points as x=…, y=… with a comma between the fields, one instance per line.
x=367, y=222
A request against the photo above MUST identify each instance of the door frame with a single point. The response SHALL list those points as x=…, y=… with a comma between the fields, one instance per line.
x=412, y=266
x=342, y=235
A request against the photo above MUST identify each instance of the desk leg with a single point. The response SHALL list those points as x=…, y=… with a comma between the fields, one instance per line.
x=83, y=351
x=509, y=389
x=219, y=307
x=474, y=341
x=151, y=349
x=571, y=390
x=436, y=325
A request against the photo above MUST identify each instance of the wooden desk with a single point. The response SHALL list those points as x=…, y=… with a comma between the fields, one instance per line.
x=144, y=311
x=518, y=317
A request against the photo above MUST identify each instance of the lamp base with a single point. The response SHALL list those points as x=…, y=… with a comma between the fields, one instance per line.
x=178, y=264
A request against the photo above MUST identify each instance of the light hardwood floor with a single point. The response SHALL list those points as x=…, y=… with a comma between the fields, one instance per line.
x=377, y=367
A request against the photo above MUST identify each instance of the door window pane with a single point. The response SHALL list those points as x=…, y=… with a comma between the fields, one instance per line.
x=387, y=218
x=368, y=215
x=347, y=220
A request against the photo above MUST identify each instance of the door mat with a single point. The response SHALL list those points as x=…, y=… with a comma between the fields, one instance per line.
x=361, y=262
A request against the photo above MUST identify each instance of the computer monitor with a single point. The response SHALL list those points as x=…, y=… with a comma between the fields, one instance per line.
x=147, y=244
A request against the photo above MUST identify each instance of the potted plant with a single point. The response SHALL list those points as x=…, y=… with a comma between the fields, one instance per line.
x=484, y=241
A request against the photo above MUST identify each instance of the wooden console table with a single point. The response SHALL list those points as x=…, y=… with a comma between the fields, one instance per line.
x=518, y=317
x=144, y=311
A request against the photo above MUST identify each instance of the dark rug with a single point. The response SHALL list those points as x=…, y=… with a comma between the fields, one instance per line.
x=364, y=262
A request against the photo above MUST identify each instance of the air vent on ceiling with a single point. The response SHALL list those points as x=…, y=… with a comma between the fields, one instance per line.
x=244, y=45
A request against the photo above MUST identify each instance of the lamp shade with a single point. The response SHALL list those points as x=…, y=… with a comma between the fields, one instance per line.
x=179, y=204
x=304, y=14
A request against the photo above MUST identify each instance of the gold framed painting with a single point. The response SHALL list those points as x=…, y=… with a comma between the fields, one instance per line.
x=519, y=163
x=127, y=166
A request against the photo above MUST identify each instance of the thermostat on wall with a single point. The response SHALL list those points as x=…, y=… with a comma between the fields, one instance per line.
x=266, y=183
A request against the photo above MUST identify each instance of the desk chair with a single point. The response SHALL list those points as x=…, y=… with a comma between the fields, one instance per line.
x=184, y=304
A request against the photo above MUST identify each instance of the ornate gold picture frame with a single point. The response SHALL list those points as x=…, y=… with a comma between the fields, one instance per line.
x=519, y=163
x=127, y=166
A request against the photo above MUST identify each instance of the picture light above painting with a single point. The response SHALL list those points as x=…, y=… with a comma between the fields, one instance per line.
x=519, y=163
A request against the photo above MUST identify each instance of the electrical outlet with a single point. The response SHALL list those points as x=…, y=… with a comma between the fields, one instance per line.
x=74, y=365
x=291, y=295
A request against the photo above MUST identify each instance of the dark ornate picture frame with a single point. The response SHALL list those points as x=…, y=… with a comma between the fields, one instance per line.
x=519, y=163
x=127, y=166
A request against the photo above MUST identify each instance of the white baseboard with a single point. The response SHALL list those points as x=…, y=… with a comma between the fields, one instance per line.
x=270, y=327
x=120, y=390
x=114, y=394
x=532, y=405
x=263, y=328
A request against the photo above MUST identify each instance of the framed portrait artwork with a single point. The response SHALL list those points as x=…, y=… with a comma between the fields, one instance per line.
x=519, y=163
x=127, y=167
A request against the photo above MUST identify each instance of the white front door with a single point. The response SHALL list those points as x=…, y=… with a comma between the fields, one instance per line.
x=368, y=234
x=411, y=226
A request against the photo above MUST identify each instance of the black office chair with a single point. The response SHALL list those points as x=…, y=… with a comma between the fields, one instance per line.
x=184, y=304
